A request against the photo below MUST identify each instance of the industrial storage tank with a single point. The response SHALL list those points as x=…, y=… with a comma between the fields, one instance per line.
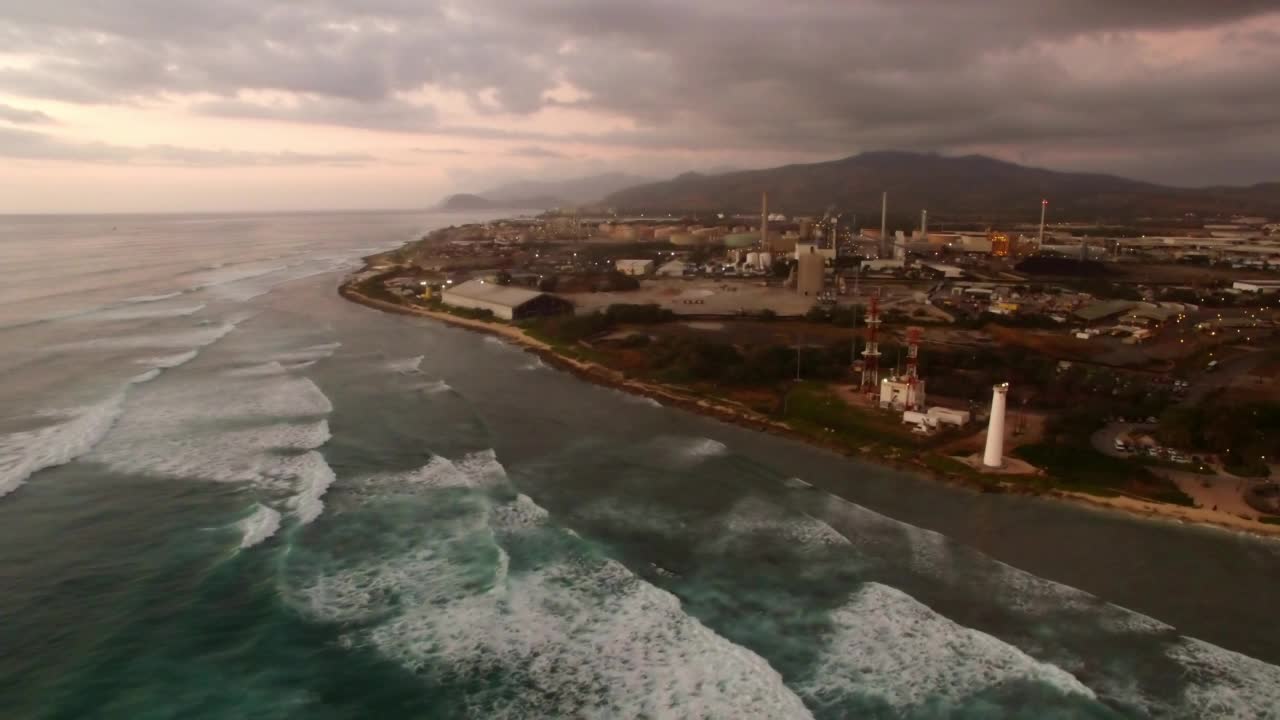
x=684, y=239
x=741, y=239
x=753, y=259
x=766, y=260
x=810, y=270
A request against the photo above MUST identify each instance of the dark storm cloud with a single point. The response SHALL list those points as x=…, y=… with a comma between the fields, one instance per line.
x=808, y=76
x=28, y=145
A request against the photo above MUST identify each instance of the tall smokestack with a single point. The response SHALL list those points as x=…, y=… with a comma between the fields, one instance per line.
x=884, y=225
x=1044, y=204
x=924, y=224
x=993, y=457
x=764, y=220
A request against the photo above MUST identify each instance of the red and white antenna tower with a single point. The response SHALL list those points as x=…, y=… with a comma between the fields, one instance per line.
x=913, y=375
x=871, y=354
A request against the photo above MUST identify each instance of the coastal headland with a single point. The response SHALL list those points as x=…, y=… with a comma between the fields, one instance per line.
x=620, y=338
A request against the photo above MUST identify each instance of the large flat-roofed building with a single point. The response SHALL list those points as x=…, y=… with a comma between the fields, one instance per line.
x=1257, y=286
x=504, y=301
x=634, y=267
x=946, y=271
x=1104, y=310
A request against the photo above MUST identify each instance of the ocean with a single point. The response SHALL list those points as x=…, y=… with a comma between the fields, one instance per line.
x=225, y=492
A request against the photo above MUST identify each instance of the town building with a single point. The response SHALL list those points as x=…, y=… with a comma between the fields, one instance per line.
x=900, y=393
x=504, y=301
x=811, y=270
x=946, y=271
x=634, y=267
x=1256, y=286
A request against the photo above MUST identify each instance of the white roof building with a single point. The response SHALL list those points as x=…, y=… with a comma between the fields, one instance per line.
x=634, y=267
x=504, y=301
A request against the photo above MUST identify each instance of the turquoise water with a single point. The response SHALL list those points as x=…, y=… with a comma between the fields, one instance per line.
x=227, y=493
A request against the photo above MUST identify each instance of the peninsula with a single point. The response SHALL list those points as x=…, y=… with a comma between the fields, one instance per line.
x=712, y=319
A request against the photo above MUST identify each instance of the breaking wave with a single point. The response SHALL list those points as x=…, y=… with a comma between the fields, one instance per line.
x=151, y=298
x=198, y=337
x=434, y=387
x=170, y=361
x=146, y=313
x=262, y=431
x=25, y=453
x=262, y=524
x=1225, y=684
x=572, y=634
x=405, y=366
x=889, y=646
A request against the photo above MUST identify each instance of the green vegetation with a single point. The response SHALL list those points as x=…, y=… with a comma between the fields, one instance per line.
x=1243, y=435
x=575, y=328
x=468, y=313
x=813, y=408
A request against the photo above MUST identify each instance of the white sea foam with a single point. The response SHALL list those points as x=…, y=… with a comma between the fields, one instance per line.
x=261, y=370
x=232, y=430
x=689, y=451
x=586, y=636
x=797, y=484
x=477, y=470
x=888, y=645
x=313, y=476
x=434, y=387
x=406, y=366
x=591, y=639
x=151, y=298
x=521, y=514
x=145, y=377
x=183, y=339
x=1225, y=684
x=223, y=276
x=25, y=453
x=262, y=524
x=145, y=313
x=754, y=516
x=307, y=354
x=170, y=361
x=534, y=364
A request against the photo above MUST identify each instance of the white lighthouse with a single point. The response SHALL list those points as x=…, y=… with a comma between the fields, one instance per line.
x=994, y=455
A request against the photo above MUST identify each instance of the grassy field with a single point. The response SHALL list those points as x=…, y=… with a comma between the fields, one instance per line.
x=814, y=408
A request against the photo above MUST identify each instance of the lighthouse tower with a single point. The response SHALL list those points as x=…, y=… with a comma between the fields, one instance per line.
x=993, y=457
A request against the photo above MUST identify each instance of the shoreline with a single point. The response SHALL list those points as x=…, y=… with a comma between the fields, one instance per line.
x=725, y=411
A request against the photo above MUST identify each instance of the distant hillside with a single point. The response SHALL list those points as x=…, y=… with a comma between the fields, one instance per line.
x=464, y=201
x=562, y=193
x=951, y=188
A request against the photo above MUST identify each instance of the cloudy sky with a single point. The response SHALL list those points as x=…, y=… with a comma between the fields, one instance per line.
x=125, y=105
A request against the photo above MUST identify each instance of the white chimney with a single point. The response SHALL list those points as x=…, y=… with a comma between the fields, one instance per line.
x=994, y=455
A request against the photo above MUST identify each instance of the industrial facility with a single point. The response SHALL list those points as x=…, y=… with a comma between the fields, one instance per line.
x=507, y=303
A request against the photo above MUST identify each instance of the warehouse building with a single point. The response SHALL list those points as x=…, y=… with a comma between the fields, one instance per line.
x=505, y=302
x=634, y=267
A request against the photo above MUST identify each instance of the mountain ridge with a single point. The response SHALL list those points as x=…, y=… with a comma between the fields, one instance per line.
x=961, y=187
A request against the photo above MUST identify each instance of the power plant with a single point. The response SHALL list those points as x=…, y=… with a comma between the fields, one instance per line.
x=993, y=456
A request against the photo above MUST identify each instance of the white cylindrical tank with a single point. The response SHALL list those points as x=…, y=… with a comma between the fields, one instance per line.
x=766, y=260
x=994, y=455
x=753, y=259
